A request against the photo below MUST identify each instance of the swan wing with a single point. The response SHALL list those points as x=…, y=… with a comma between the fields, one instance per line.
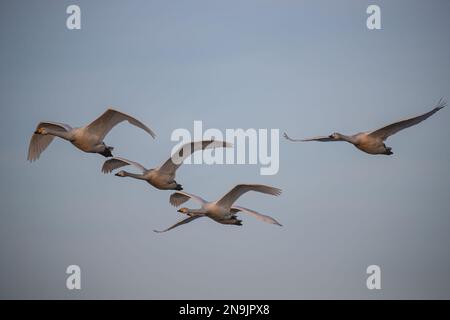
x=319, y=138
x=116, y=162
x=179, y=197
x=228, y=199
x=395, y=127
x=176, y=160
x=179, y=223
x=40, y=142
x=255, y=214
x=110, y=118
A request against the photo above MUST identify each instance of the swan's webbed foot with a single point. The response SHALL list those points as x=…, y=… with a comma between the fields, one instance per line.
x=178, y=187
x=106, y=152
x=389, y=151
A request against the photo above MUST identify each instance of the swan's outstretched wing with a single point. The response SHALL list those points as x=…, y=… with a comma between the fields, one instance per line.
x=179, y=197
x=103, y=124
x=228, y=199
x=393, y=128
x=176, y=160
x=179, y=223
x=257, y=215
x=320, y=138
x=40, y=142
x=116, y=162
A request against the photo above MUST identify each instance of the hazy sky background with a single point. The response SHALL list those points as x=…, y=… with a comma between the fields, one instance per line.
x=305, y=67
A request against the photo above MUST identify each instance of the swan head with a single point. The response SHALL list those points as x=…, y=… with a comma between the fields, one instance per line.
x=184, y=210
x=335, y=136
x=41, y=131
x=120, y=174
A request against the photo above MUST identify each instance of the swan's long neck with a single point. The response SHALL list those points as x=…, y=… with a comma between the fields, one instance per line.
x=134, y=175
x=66, y=135
x=344, y=137
x=196, y=211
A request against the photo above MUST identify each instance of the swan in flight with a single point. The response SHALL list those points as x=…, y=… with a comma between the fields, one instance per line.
x=88, y=138
x=223, y=210
x=373, y=142
x=162, y=177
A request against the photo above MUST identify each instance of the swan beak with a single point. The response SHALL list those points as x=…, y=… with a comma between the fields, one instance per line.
x=37, y=132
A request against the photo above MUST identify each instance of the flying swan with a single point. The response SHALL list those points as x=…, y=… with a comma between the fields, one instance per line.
x=88, y=138
x=162, y=177
x=373, y=142
x=222, y=211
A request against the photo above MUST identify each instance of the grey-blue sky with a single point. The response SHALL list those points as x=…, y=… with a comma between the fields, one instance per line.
x=307, y=67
